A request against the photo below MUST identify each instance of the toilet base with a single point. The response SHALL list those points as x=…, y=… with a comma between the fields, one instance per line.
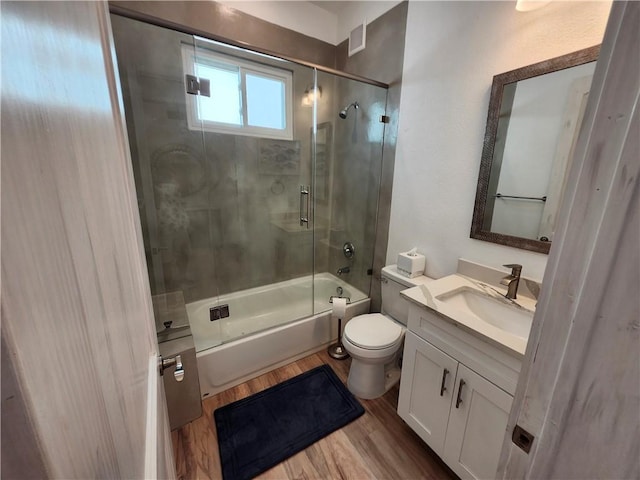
x=369, y=381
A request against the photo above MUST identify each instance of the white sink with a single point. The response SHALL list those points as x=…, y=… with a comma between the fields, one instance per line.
x=501, y=313
x=480, y=309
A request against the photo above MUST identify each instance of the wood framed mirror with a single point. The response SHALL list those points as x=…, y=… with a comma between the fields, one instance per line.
x=535, y=113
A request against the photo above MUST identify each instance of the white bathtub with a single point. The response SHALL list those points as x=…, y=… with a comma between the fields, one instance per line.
x=268, y=326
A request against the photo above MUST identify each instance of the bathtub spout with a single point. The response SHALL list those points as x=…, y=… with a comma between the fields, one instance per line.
x=342, y=270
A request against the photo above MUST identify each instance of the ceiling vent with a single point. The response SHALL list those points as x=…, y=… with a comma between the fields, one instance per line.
x=358, y=38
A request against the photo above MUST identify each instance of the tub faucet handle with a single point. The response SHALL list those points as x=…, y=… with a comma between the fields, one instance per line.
x=342, y=270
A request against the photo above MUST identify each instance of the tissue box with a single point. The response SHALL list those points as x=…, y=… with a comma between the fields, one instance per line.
x=411, y=264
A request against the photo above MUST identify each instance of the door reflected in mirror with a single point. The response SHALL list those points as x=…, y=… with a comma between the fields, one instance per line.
x=535, y=114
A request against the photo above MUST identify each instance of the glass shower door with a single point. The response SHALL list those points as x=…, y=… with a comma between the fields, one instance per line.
x=257, y=135
x=172, y=178
x=347, y=178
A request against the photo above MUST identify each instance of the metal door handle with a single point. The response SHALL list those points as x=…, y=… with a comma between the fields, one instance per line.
x=304, y=196
x=444, y=379
x=165, y=363
x=459, y=399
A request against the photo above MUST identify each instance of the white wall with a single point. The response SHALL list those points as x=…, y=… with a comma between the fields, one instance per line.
x=301, y=17
x=329, y=21
x=452, y=51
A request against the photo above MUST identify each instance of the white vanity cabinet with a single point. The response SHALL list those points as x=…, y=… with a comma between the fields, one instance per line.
x=426, y=387
x=477, y=424
x=456, y=392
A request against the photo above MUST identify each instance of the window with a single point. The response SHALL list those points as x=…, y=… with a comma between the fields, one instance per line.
x=246, y=98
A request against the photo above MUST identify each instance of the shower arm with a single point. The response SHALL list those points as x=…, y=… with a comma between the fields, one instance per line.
x=343, y=113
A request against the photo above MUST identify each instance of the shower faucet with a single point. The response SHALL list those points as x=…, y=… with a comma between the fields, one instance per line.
x=343, y=113
x=342, y=270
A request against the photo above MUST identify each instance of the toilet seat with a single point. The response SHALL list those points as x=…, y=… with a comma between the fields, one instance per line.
x=373, y=331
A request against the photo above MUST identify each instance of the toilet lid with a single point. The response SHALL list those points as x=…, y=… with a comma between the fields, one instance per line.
x=373, y=331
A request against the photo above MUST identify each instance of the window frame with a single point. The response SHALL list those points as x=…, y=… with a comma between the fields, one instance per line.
x=191, y=57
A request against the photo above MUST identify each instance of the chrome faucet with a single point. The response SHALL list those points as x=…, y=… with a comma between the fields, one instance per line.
x=512, y=281
x=342, y=270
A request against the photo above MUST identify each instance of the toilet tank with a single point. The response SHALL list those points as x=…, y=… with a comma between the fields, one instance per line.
x=393, y=283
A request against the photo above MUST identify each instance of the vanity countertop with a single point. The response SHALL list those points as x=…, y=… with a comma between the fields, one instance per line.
x=435, y=296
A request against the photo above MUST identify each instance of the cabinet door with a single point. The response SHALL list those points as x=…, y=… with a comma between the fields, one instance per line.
x=426, y=389
x=477, y=423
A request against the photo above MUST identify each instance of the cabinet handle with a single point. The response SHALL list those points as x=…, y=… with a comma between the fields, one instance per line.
x=444, y=379
x=459, y=399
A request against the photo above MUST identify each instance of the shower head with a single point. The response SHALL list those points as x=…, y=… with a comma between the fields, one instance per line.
x=343, y=112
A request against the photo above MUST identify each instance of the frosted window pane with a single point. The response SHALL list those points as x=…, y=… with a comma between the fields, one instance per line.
x=265, y=102
x=224, y=104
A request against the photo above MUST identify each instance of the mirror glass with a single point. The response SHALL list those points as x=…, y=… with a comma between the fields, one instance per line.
x=535, y=113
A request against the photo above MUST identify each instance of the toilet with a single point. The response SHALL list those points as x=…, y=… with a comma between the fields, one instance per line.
x=374, y=340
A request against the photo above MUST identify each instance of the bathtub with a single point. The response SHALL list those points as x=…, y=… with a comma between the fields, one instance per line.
x=268, y=327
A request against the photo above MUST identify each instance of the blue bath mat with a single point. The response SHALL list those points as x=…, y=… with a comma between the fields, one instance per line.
x=258, y=432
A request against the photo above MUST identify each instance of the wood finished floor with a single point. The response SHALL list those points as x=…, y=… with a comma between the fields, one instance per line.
x=376, y=445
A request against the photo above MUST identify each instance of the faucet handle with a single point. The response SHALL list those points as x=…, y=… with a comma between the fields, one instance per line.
x=516, y=268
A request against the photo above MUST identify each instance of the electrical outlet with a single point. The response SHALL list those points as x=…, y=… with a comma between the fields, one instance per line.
x=522, y=438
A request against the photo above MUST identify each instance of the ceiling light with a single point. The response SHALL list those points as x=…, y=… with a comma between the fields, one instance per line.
x=529, y=5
